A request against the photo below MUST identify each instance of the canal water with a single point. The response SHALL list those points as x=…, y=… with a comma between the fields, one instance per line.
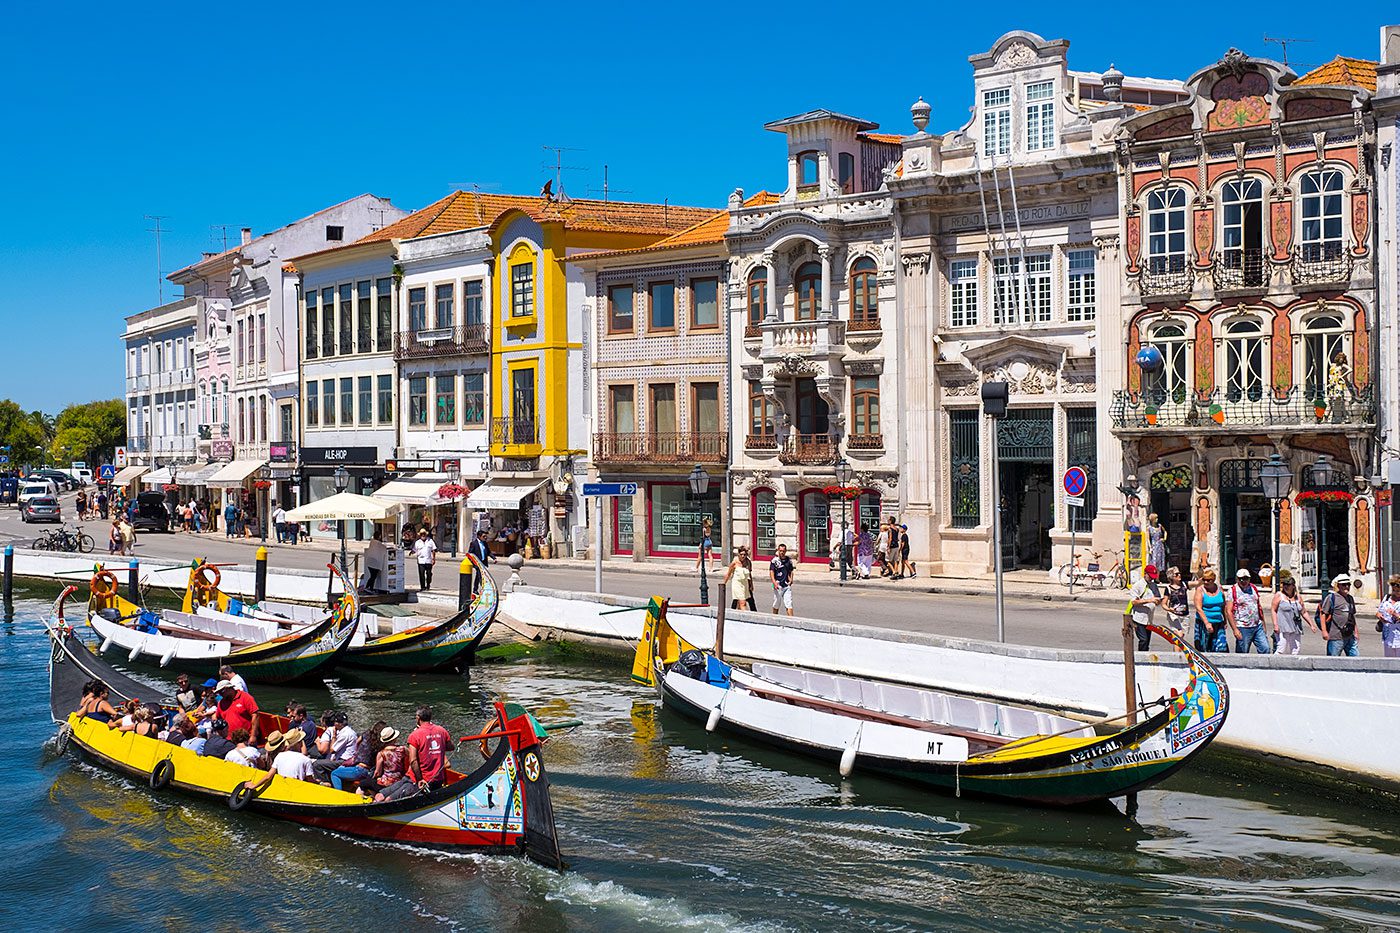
x=668, y=828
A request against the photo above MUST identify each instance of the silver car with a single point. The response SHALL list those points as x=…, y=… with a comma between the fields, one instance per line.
x=41, y=509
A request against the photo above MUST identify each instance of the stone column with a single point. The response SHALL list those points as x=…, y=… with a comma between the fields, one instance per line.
x=772, y=287
x=1111, y=362
x=825, y=253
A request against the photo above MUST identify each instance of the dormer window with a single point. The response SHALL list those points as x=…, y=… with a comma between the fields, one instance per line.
x=1040, y=115
x=846, y=172
x=808, y=172
x=996, y=122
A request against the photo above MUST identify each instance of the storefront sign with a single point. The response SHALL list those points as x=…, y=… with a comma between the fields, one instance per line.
x=221, y=450
x=279, y=453
x=1038, y=214
x=336, y=456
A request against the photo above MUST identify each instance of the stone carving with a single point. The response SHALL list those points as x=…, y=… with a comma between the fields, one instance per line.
x=757, y=479
x=865, y=367
x=795, y=365
x=1038, y=381
x=915, y=263
x=1107, y=247
x=868, y=479
x=960, y=389
x=753, y=371
x=1015, y=55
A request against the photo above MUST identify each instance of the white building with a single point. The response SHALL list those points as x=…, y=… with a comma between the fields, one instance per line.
x=1387, y=175
x=162, y=422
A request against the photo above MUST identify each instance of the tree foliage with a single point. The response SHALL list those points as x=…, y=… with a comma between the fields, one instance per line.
x=25, y=433
x=91, y=432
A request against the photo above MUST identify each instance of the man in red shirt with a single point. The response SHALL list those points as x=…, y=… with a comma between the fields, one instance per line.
x=428, y=746
x=237, y=708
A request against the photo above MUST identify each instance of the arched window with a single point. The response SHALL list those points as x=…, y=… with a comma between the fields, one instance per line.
x=758, y=295
x=808, y=170
x=1172, y=381
x=764, y=510
x=1242, y=235
x=865, y=303
x=225, y=396
x=1166, y=230
x=1244, y=360
x=846, y=172
x=1322, y=215
x=807, y=285
x=1322, y=341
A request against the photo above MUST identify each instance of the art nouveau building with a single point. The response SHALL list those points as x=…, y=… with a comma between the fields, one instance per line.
x=814, y=339
x=1008, y=242
x=1249, y=263
x=1387, y=111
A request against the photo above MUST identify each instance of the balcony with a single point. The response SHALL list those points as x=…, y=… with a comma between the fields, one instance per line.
x=1240, y=268
x=864, y=325
x=825, y=337
x=807, y=450
x=761, y=442
x=676, y=447
x=1321, y=264
x=1166, y=275
x=138, y=445
x=865, y=442
x=442, y=341
x=1223, y=409
x=511, y=432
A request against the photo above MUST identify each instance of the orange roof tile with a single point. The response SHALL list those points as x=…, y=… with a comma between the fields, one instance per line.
x=709, y=231
x=883, y=137
x=466, y=210
x=1345, y=72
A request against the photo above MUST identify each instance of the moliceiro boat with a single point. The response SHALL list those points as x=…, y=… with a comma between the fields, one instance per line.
x=501, y=806
x=953, y=743
x=263, y=650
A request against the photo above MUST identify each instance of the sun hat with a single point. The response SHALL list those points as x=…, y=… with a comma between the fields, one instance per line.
x=1241, y=574
x=276, y=740
x=225, y=685
x=1341, y=579
x=293, y=736
x=388, y=734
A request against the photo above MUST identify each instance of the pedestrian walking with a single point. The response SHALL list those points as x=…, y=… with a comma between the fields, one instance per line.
x=1176, y=600
x=906, y=566
x=740, y=572
x=707, y=544
x=780, y=571
x=1388, y=618
x=197, y=514
x=1248, y=615
x=279, y=523
x=230, y=519
x=425, y=550
x=1289, y=615
x=894, y=552
x=114, y=537
x=102, y=505
x=1212, y=615
x=1337, y=615
x=128, y=536
x=1143, y=599
x=81, y=504
x=882, y=544
x=865, y=551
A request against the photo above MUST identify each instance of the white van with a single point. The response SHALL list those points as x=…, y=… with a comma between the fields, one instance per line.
x=81, y=474
x=37, y=487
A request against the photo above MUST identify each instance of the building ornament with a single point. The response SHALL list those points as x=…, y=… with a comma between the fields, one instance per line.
x=753, y=371
x=865, y=367
x=1016, y=55
x=1037, y=381
x=794, y=364
x=915, y=263
x=1107, y=247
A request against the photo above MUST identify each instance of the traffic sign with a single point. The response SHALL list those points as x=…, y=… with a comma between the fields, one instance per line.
x=120, y=458
x=1075, y=481
x=107, y=472
x=4, y=458
x=1076, y=501
x=609, y=489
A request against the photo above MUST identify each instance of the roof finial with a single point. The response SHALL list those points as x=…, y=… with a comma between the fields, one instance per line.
x=1113, y=83
x=920, y=112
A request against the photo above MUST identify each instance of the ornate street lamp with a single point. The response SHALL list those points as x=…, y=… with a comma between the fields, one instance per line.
x=342, y=480
x=699, y=485
x=843, y=479
x=1276, y=478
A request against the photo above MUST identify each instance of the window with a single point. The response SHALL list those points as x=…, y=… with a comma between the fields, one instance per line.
x=677, y=516
x=1244, y=361
x=846, y=172
x=335, y=233
x=384, y=323
x=386, y=398
x=663, y=409
x=965, y=455
x=704, y=303
x=1038, y=287
x=262, y=337
x=418, y=401
x=363, y=317
x=445, y=400
x=347, y=320
x=472, y=302
x=622, y=524
x=1040, y=115
x=1079, y=302
x=262, y=419
x=758, y=296
x=1082, y=427
x=815, y=526
x=808, y=170
x=473, y=398
x=704, y=411
x=522, y=289
x=366, y=394
x=238, y=345
x=996, y=122
x=620, y=299
x=813, y=413
x=762, y=411
x=1322, y=215
x=417, y=309
x=962, y=289
x=807, y=287
x=622, y=409
x=1243, y=230
x=1171, y=340
x=347, y=400
x=242, y=426
x=765, y=523
x=522, y=406
x=1166, y=230
x=661, y=304
x=328, y=402
x=865, y=406
x=865, y=301
x=443, y=303
x=328, y=322
x=1322, y=342
x=1014, y=291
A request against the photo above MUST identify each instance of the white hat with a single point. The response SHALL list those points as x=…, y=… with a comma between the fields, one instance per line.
x=225, y=685
x=1341, y=578
x=1242, y=573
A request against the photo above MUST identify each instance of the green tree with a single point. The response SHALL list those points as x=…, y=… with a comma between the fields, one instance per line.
x=90, y=431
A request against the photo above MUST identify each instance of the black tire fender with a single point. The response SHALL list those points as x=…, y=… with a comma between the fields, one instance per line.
x=162, y=774
x=240, y=796
x=60, y=741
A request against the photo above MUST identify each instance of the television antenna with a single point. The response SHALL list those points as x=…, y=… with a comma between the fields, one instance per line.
x=608, y=189
x=158, y=230
x=1283, y=42
x=222, y=233
x=558, y=168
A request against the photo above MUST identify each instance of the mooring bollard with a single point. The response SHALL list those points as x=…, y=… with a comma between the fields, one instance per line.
x=9, y=573
x=133, y=581
x=464, y=585
x=515, y=562
x=260, y=577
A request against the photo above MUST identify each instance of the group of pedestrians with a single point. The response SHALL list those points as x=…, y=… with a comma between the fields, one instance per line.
x=1259, y=622
x=192, y=516
x=864, y=549
x=95, y=507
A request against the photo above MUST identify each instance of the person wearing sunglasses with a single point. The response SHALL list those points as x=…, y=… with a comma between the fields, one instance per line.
x=1337, y=615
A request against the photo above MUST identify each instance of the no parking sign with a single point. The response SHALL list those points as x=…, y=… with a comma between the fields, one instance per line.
x=1075, y=482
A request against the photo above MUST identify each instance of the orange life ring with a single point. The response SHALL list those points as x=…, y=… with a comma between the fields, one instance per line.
x=203, y=583
x=108, y=587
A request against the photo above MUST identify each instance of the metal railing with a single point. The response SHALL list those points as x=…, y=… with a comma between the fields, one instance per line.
x=674, y=447
x=865, y=441
x=761, y=442
x=1240, y=268
x=809, y=449
x=1255, y=407
x=442, y=341
x=863, y=324
x=1171, y=275
x=1320, y=263
x=511, y=431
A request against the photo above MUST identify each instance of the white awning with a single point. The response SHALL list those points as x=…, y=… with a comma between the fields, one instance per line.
x=503, y=493
x=158, y=478
x=414, y=489
x=233, y=474
x=197, y=474
x=344, y=506
x=127, y=474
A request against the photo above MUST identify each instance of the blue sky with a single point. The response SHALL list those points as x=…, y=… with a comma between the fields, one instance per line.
x=255, y=116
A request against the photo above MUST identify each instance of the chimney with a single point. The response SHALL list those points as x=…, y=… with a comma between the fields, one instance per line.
x=247, y=235
x=1390, y=45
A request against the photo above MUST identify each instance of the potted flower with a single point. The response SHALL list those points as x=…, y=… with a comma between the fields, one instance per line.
x=1217, y=414
x=1150, y=413
x=1320, y=407
x=841, y=492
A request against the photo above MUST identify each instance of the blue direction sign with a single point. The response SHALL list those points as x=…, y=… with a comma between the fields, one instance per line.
x=107, y=471
x=1075, y=481
x=609, y=489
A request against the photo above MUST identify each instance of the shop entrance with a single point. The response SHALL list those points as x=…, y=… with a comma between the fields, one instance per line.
x=1025, y=447
x=1246, y=522
x=1171, y=502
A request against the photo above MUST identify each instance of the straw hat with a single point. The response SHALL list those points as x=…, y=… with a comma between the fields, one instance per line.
x=276, y=740
x=388, y=735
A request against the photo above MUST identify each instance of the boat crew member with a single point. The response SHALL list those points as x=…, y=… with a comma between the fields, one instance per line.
x=236, y=707
x=226, y=673
x=185, y=696
x=428, y=746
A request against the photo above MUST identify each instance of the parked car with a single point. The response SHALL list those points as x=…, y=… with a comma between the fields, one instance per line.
x=61, y=479
x=41, y=509
x=82, y=474
x=37, y=486
x=150, y=512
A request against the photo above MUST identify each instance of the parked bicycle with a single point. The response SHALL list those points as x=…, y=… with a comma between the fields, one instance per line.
x=70, y=540
x=1091, y=574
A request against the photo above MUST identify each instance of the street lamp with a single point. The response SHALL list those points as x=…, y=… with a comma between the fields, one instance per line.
x=995, y=396
x=699, y=485
x=843, y=479
x=1276, y=479
x=1324, y=474
x=342, y=480
x=264, y=501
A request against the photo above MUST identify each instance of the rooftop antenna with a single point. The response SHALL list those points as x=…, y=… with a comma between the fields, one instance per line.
x=608, y=189
x=1283, y=45
x=476, y=190
x=157, y=230
x=559, y=167
x=381, y=211
x=222, y=234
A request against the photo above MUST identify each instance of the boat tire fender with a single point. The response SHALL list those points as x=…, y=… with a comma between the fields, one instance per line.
x=60, y=741
x=240, y=796
x=162, y=774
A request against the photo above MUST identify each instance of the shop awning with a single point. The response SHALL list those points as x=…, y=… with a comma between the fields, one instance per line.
x=233, y=474
x=503, y=493
x=198, y=474
x=127, y=474
x=159, y=478
x=344, y=506
x=414, y=489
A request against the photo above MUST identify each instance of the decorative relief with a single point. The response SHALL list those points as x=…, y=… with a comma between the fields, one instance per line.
x=1134, y=371
x=1360, y=350
x=1359, y=211
x=1205, y=237
x=1107, y=247
x=1362, y=515
x=1016, y=55
x=1039, y=380
x=1285, y=521
x=864, y=367
x=758, y=479
x=752, y=371
x=1205, y=357
x=1239, y=101
x=869, y=479
x=795, y=365
x=1134, y=242
x=1308, y=108
x=915, y=263
x=967, y=389
x=1281, y=227
x=1282, y=353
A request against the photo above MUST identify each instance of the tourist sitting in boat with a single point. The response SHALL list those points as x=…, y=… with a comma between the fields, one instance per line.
x=124, y=716
x=318, y=748
x=218, y=744
x=428, y=746
x=359, y=766
x=337, y=747
x=391, y=769
x=288, y=753
x=190, y=739
x=94, y=704
x=242, y=752
x=139, y=720
x=236, y=707
x=186, y=698
x=227, y=673
x=298, y=719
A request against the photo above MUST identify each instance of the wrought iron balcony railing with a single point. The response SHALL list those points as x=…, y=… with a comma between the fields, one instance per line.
x=676, y=447
x=509, y=431
x=442, y=341
x=1254, y=407
x=1240, y=268
x=865, y=441
x=1321, y=263
x=1166, y=275
x=807, y=449
x=761, y=442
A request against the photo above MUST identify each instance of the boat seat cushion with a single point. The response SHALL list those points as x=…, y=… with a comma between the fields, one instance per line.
x=903, y=701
